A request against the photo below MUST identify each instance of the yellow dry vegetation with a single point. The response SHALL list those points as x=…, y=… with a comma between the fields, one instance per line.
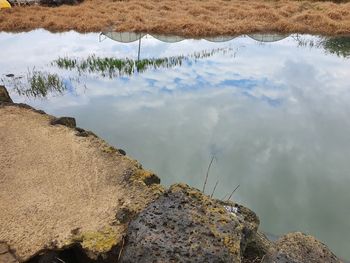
x=193, y=18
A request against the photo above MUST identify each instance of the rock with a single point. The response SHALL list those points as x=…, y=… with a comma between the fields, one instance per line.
x=280, y=257
x=4, y=95
x=92, y=134
x=40, y=111
x=146, y=177
x=49, y=257
x=78, y=129
x=122, y=152
x=81, y=132
x=66, y=121
x=62, y=194
x=259, y=249
x=6, y=255
x=184, y=225
x=152, y=179
x=112, y=149
x=250, y=223
x=124, y=215
x=290, y=248
x=304, y=248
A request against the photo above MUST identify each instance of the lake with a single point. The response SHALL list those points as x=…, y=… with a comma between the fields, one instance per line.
x=272, y=112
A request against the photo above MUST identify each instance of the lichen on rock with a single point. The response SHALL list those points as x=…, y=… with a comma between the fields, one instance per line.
x=98, y=242
x=184, y=225
x=146, y=177
x=305, y=248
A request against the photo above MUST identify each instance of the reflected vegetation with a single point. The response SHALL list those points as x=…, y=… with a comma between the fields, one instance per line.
x=339, y=46
x=115, y=67
x=37, y=84
x=40, y=84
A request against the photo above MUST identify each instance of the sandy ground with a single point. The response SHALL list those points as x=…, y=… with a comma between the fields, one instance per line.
x=54, y=184
x=194, y=18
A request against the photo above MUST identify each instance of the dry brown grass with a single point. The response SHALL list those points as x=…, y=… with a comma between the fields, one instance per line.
x=185, y=17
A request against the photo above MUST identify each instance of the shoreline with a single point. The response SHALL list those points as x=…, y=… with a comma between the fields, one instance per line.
x=145, y=221
x=184, y=18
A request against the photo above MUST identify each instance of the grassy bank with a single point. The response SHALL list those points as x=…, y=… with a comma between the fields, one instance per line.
x=185, y=17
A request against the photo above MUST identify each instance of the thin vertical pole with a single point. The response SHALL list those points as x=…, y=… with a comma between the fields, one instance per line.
x=138, y=55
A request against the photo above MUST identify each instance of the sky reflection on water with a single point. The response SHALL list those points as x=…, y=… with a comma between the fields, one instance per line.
x=276, y=116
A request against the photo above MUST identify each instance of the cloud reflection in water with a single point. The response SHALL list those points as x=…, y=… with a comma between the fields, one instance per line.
x=275, y=115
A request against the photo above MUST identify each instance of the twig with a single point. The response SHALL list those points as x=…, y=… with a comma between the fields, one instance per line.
x=60, y=260
x=211, y=196
x=232, y=193
x=206, y=177
x=121, y=250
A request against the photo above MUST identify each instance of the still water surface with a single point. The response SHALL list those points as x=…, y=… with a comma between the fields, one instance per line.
x=275, y=115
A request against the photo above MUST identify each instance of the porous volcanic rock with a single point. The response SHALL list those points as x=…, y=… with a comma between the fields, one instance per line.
x=259, y=249
x=290, y=248
x=184, y=225
x=300, y=247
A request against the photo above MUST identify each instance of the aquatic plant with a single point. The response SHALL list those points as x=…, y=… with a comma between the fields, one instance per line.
x=116, y=67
